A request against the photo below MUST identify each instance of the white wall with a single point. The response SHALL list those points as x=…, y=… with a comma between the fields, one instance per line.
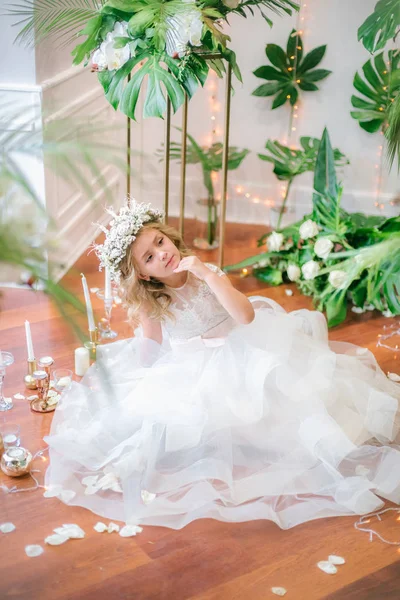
x=253, y=121
x=43, y=80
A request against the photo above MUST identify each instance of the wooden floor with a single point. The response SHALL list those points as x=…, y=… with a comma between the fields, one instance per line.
x=207, y=560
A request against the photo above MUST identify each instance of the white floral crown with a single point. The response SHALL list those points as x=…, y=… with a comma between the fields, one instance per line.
x=123, y=229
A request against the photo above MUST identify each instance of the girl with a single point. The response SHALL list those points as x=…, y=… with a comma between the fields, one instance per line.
x=220, y=406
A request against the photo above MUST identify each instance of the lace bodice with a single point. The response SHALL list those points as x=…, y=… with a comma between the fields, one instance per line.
x=195, y=307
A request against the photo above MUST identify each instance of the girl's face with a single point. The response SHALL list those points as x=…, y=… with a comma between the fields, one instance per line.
x=156, y=255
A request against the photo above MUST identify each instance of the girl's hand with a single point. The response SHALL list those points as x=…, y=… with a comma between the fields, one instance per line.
x=194, y=265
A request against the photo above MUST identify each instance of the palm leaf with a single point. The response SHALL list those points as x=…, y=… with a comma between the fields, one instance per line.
x=381, y=26
x=45, y=18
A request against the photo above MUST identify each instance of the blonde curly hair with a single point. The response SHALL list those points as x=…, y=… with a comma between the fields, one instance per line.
x=153, y=294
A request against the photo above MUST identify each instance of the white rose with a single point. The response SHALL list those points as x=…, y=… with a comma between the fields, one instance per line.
x=274, y=241
x=310, y=269
x=293, y=272
x=323, y=247
x=338, y=279
x=308, y=229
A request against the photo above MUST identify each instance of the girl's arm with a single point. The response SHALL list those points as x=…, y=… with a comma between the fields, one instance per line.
x=151, y=328
x=238, y=306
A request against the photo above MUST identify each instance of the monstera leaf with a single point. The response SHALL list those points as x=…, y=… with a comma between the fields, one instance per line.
x=289, y=72
x=290, y=162
x=381, y=85
x=381, y=26
x=393, y=132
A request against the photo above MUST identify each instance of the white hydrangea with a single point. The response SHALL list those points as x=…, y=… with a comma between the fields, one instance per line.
x=308, y=229
x=310, y=269
x=123, y=229
x=323, y=247
x=274, y=241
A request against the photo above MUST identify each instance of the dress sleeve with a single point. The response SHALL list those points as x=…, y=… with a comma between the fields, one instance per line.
x=215, y=269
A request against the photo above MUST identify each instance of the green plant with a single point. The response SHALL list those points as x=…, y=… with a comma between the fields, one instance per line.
x=380, y=87
x=167, y=39
x=382, y=25
x=28, y=235
x=210, y=160
x=290, y=71
x=291, y=162
x=336, y=257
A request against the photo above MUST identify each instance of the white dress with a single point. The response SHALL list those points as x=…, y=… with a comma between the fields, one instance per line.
x=232, y=422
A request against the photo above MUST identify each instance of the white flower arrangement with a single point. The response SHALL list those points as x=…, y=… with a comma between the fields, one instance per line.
x=184, y=29
x=108, y=57
x=123, y=229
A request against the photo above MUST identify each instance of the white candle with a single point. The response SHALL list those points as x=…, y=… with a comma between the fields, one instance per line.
x=89, y=309
x=29, y=345
x=10, y=438
x=107, y=285
x=82, y=361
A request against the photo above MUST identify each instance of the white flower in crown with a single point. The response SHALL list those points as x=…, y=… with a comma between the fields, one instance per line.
x=123, y=229
x=108, y=57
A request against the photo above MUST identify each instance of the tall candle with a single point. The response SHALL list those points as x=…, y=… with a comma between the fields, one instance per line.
x=29, y=345
x=107, y=285
x=89, y=309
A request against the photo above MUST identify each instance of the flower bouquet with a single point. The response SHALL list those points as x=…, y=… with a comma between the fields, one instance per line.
x=338, y=258
x=172, y=42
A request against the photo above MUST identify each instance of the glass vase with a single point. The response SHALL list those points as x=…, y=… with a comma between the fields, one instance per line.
x=207, y=224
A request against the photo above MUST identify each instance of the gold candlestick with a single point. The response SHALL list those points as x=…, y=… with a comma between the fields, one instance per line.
x=93, y=343
x=29, y=380
x=39, y=404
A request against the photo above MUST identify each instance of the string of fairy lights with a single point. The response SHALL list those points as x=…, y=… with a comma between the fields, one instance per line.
x=302, y=29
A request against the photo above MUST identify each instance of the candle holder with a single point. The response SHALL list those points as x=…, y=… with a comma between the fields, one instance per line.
x=106, y=333
x=93, y=343
x=6, y=359
x=40, y=403
x=29, y=380
x=44, y=365
x=16, y=462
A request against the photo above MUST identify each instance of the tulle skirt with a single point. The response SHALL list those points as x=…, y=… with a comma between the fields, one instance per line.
x=268, y=421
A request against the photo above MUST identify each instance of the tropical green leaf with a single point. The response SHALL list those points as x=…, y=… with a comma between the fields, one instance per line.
x=382, y=25
x=380, y=87
x=277, y=56
x=290, y=73
x=269, y=275
x=393, y=132
x=336, y=308
x=311, y=60
x=267, y=89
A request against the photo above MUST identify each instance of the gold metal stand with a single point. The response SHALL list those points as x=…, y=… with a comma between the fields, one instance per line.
x=206, y=56
x=30, y=382
x=167, y=158
x=183, y=166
